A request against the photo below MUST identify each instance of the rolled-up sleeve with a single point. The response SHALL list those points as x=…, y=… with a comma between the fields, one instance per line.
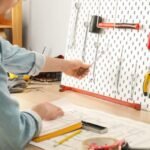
x=19, y=60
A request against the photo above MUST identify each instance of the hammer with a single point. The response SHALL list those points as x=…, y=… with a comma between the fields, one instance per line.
x=97, y=24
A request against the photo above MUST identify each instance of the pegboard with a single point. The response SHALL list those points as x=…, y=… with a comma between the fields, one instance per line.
x=122, y=55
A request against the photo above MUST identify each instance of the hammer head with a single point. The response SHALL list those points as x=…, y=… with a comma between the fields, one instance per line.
x=93, y=24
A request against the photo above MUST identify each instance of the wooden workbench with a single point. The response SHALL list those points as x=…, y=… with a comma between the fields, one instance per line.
x=39, y=92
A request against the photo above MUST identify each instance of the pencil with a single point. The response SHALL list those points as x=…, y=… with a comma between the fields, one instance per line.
x=68, y=137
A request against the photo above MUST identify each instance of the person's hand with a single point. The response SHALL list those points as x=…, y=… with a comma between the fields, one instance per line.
x=76, y=69
x=48, y=111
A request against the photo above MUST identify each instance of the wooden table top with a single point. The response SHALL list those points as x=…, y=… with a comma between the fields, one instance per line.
x=39, y=92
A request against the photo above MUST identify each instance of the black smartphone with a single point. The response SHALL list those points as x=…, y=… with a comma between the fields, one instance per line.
x=94, y=127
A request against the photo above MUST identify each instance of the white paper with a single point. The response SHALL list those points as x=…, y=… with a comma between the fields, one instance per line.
x=137, y=134
x=54, y=125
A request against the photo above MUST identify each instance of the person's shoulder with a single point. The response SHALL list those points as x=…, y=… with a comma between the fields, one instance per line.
x=2, y=40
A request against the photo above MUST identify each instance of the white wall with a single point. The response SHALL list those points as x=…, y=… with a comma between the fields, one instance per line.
x=26, y=23
x=46, y=24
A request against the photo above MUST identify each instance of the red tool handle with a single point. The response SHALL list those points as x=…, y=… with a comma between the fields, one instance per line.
x=119, y=25
x=148, y=43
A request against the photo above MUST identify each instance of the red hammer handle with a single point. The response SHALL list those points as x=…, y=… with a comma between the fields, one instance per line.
x=148, y=43
x=119, y=25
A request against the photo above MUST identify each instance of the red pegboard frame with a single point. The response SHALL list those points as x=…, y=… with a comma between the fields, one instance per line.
x=136, y=106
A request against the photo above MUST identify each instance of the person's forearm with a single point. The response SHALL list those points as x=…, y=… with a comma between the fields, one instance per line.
x=74, y=68
x=55, y=65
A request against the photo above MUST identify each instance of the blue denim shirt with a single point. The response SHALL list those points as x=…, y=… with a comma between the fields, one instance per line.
x=16, y=128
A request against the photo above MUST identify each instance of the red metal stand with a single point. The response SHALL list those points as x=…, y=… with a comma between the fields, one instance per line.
x=106, y=98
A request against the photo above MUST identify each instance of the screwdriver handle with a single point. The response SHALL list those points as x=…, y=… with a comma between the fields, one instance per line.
x=146, y=84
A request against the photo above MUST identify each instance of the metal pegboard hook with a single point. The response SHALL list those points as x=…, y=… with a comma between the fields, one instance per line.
x=133, y=81
x=86, y=25
x=119, y=70
x=97, y=57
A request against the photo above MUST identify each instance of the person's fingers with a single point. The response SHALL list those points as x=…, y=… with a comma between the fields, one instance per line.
x=53, y=116
x=60, y=113
x=59, y=109
x=81, y=71
x=85, y=66
x=80, y=76
x=86, y=72
x=80, y=64
x=83, y=75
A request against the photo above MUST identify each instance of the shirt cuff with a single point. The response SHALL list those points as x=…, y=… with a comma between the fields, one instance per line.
x=38, y=65
x=38, y=120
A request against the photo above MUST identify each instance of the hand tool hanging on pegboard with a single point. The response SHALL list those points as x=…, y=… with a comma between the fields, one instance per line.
x=96, y=44
x=86, y=25
x=77, y=7
x=148, y=43
x=97, y=57
x=93, y=23
x=133, y=81
x=119, y=71
x=103, y=25
x=146, y=84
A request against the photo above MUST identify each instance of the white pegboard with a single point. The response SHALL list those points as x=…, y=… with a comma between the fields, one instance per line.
x=111, y=43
